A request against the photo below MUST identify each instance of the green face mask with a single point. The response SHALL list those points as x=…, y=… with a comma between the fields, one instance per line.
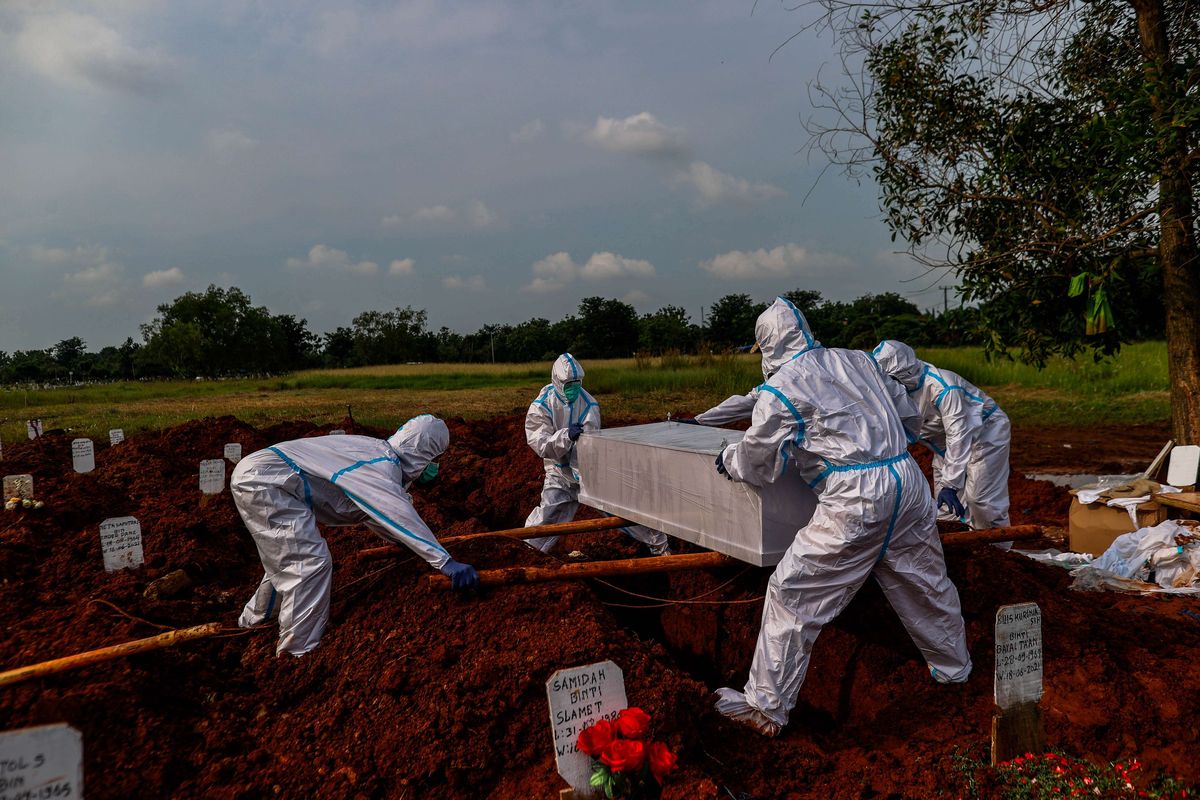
x=430, y=472
x=572, y=390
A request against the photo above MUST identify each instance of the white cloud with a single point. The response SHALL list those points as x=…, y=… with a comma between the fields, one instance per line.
x=80, y=50
x=640, y=134
x=93, y=276
x=474, y=283
x=556, y=270
x=435, y=214
x=636, y=297
x=61, y=256
x=329, y=258
x=479, y=215
x=227, y=141
x=474, y=215
x=162, y=277
x=785, y=260
x=402, y=266
x=713, y=186
x=529, y=132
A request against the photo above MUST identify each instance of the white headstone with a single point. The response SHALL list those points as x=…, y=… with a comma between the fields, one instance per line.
x=212, y=475
x=579, y=697
x=1018, y=655
x=233, y=452
x=116, y=436
x=83, y=455
x=18, y=486
x=121, y=543
x=33, y=427
x=337, y=432
x=46, y=761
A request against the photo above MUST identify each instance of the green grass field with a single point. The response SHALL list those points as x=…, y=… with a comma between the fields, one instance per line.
x=1131, y=388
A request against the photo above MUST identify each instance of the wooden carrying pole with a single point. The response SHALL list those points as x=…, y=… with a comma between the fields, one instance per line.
x=595, y=569
x=1015, y=533
x=168, y=639
x=532, y=532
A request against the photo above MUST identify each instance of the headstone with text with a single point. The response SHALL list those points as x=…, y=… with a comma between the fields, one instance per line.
x=1017, y=728
x=116, y=436
x=41, y=762
x=233, y=452
x=33, y=427
x=121, y=543
x=212, y=475
x=83, y=455
x=580, y=697
x=18, y=486
x=337, y=432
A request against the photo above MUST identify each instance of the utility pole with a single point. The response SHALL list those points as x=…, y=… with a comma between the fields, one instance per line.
x=946, y=297
x=701, y=316
x=493, y=338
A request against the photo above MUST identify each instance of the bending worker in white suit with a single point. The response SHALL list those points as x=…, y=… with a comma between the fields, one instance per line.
x=967, y=432
x=284, y=491
x=562, y=412
x=833, y=415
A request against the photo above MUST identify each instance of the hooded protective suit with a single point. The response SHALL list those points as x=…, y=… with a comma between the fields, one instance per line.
x=967, y=432
x=284, y=491
x=547, y=430
x=833, y=415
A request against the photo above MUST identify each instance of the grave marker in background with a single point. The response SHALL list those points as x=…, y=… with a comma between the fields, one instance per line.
x=83, y=455
x=45, y=761
x=337, y=432
x=115, y=436
x=233, y=452
x=579, y=697
x=1017, y=728
x=33, y=427
x=18, y=486
x=121, y=543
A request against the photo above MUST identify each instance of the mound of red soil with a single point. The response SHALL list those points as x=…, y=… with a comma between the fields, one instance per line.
x=420, y=693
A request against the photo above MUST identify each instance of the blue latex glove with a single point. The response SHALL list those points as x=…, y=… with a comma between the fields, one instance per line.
x=429, y=473
x=721, y=466
x=686, y=420
x=949, y=498
x=462, y=576
x=573, y=431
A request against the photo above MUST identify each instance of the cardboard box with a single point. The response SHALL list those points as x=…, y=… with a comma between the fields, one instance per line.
x=662, y=475
x=1092, y=528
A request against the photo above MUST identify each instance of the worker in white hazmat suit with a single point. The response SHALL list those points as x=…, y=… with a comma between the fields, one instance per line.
x=833, y=415
x=562, y=412
x=285, y=491
x=968, y=433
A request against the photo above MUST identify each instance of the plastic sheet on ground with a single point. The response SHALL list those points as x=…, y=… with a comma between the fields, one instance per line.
x=1057, y=558
x=1162, y=559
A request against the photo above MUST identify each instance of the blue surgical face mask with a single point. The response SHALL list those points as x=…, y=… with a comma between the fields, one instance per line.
x=572, y=390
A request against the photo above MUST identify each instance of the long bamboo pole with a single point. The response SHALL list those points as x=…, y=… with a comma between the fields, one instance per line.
x=597, y=569
x=1015, y=533
x=532, y=532
x=168, y=639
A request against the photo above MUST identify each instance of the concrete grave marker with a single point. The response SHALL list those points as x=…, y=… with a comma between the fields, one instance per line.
x=579, y=697
x=233, y=452
x=121, y=543
x=18, y=486
x=115, y=436
x=83, y=455
x=41, y=762
x=212, y=475
x=33, y=427
x=1018, y=728
x=338, y=432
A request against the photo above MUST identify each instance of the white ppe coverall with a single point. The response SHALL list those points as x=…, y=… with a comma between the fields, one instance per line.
x=547, y=429
x=833, y=415
x=285, y=491
x=968, y=433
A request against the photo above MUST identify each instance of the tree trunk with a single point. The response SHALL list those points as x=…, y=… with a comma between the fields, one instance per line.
x=1178, y=254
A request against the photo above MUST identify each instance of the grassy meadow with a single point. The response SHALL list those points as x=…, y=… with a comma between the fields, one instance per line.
x=1131, y=388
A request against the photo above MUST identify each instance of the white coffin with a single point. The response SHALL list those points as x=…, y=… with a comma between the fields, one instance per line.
x=662, y=475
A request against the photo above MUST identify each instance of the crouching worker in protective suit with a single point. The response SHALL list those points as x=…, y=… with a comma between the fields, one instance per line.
x=967, y=432
x=561, y=413
x=833, y=415
x=284, y=491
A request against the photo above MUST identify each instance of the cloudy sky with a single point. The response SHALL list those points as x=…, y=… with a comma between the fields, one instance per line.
x=488, y=161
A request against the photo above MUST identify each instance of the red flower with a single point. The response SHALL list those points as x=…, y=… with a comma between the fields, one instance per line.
x=624, y=755
x=595, y=739
x=632, y=723
x=662, y=760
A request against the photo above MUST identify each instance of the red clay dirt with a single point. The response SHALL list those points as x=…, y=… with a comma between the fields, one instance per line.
x=422, y=694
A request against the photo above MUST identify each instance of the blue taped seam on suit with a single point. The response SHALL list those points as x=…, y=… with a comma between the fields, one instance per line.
x=358, y=464
x=296, y=469
x=830, y=467
x=895, y=512
x=788, y=403
x=371, y=509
